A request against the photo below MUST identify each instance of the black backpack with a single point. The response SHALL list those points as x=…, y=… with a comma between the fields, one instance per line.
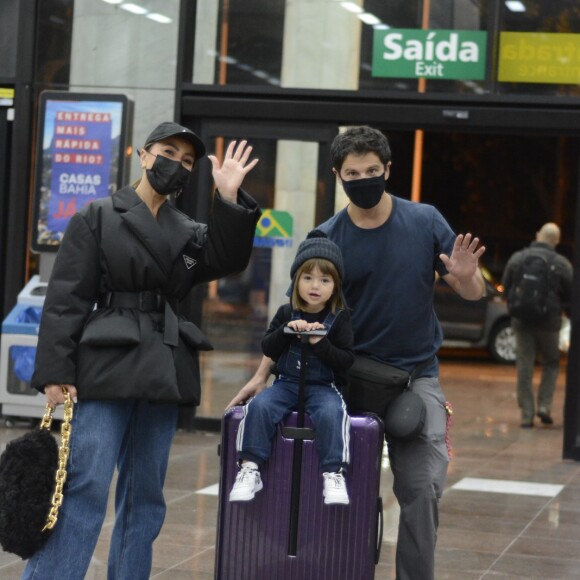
x=532, y=296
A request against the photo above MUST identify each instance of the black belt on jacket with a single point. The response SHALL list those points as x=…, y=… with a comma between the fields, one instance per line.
x=146, y=301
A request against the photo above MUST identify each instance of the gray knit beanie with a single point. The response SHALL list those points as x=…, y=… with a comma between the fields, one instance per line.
x=317, y=245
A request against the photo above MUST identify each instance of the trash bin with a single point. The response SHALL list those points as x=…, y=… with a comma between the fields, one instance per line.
x=17, y=352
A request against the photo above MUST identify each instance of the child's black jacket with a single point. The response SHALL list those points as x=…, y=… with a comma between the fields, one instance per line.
x=335, y=349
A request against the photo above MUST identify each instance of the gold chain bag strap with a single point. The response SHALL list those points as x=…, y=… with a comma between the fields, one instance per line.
x=32, y=478
x=63, y=452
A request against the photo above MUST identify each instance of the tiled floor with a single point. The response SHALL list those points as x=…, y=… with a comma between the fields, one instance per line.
x=511, y=508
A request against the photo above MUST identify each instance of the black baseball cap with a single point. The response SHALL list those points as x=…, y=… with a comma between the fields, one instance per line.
x=168, y=129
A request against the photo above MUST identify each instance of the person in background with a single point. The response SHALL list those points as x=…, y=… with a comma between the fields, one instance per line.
x=539, y=336
x=392, y=249
x=316, y=303
x=111, y=336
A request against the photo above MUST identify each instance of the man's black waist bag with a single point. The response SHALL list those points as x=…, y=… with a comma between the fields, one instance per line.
x=380, y=388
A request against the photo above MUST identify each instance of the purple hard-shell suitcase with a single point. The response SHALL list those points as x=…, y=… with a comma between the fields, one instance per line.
x=267, y=539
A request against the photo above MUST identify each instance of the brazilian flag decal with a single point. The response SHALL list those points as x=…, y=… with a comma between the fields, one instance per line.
x=274, y=229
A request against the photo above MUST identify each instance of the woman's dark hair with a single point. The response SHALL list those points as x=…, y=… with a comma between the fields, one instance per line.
x=359, y=141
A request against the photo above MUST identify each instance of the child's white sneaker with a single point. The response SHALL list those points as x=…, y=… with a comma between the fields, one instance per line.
x=248, y=483
x=335, y=488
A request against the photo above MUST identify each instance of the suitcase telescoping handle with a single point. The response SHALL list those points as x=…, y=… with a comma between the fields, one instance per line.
x=301, y=432
x=297, y=459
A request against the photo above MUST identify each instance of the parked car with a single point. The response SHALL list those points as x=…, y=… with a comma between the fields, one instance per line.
x=483, y=323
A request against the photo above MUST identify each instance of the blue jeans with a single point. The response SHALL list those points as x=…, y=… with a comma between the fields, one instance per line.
x=324, y=405
x=136, y=437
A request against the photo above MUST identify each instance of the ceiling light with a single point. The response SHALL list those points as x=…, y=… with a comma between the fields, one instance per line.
x=113, y=1
x=515, y=5
x=369, y=18
x=134, y=8
x=161, y=18
x=381, y=26
x=352, y=7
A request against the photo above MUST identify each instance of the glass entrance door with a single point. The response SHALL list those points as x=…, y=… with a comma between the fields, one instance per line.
x=497, y=184
x=294, y=187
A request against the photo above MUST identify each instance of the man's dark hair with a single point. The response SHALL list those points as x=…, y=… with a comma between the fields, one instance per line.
x=359, y=141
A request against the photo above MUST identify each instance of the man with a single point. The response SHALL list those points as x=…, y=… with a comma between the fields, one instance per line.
x=391, y=250
x=538, y=334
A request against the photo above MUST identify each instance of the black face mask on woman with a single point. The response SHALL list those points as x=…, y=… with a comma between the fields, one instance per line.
x=365, y=193
x=167, y=176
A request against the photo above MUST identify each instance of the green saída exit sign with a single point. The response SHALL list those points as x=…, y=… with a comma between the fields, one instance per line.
x=432, y=54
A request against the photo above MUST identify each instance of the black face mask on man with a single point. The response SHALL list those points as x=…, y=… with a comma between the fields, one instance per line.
x=365, y=193
x=167, y=176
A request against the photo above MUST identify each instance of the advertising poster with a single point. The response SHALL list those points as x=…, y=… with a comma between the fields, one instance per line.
x=81, y=157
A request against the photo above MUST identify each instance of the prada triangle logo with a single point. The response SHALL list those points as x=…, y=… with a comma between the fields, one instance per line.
x=189, y=262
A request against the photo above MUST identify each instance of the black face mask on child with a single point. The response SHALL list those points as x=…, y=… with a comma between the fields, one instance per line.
x=365, y=193
x=167, y=176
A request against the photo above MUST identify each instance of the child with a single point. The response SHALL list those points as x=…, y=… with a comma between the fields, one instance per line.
x=316, y=303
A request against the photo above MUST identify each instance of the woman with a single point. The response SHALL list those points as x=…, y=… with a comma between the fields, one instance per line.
x=111, y=336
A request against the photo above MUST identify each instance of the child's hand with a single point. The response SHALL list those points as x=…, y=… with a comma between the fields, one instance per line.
x=298, y=325
x=304, y=326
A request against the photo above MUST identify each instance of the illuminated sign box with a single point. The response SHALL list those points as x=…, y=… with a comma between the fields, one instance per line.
x=539, y=57
x=81, y=156
x=431, y=54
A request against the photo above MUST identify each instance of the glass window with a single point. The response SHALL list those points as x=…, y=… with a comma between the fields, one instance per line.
x=125, y=44
x=53, y=38
x=239, y=42
x=556, y=53
x=315, y=44
x=502, y=188
x=131, y=49
x=329, y=44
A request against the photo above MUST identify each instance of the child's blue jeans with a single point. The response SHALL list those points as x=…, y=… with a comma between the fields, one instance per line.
x=324, y=405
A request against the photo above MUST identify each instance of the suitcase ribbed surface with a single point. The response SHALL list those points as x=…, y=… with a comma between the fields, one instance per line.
x=335, y=542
